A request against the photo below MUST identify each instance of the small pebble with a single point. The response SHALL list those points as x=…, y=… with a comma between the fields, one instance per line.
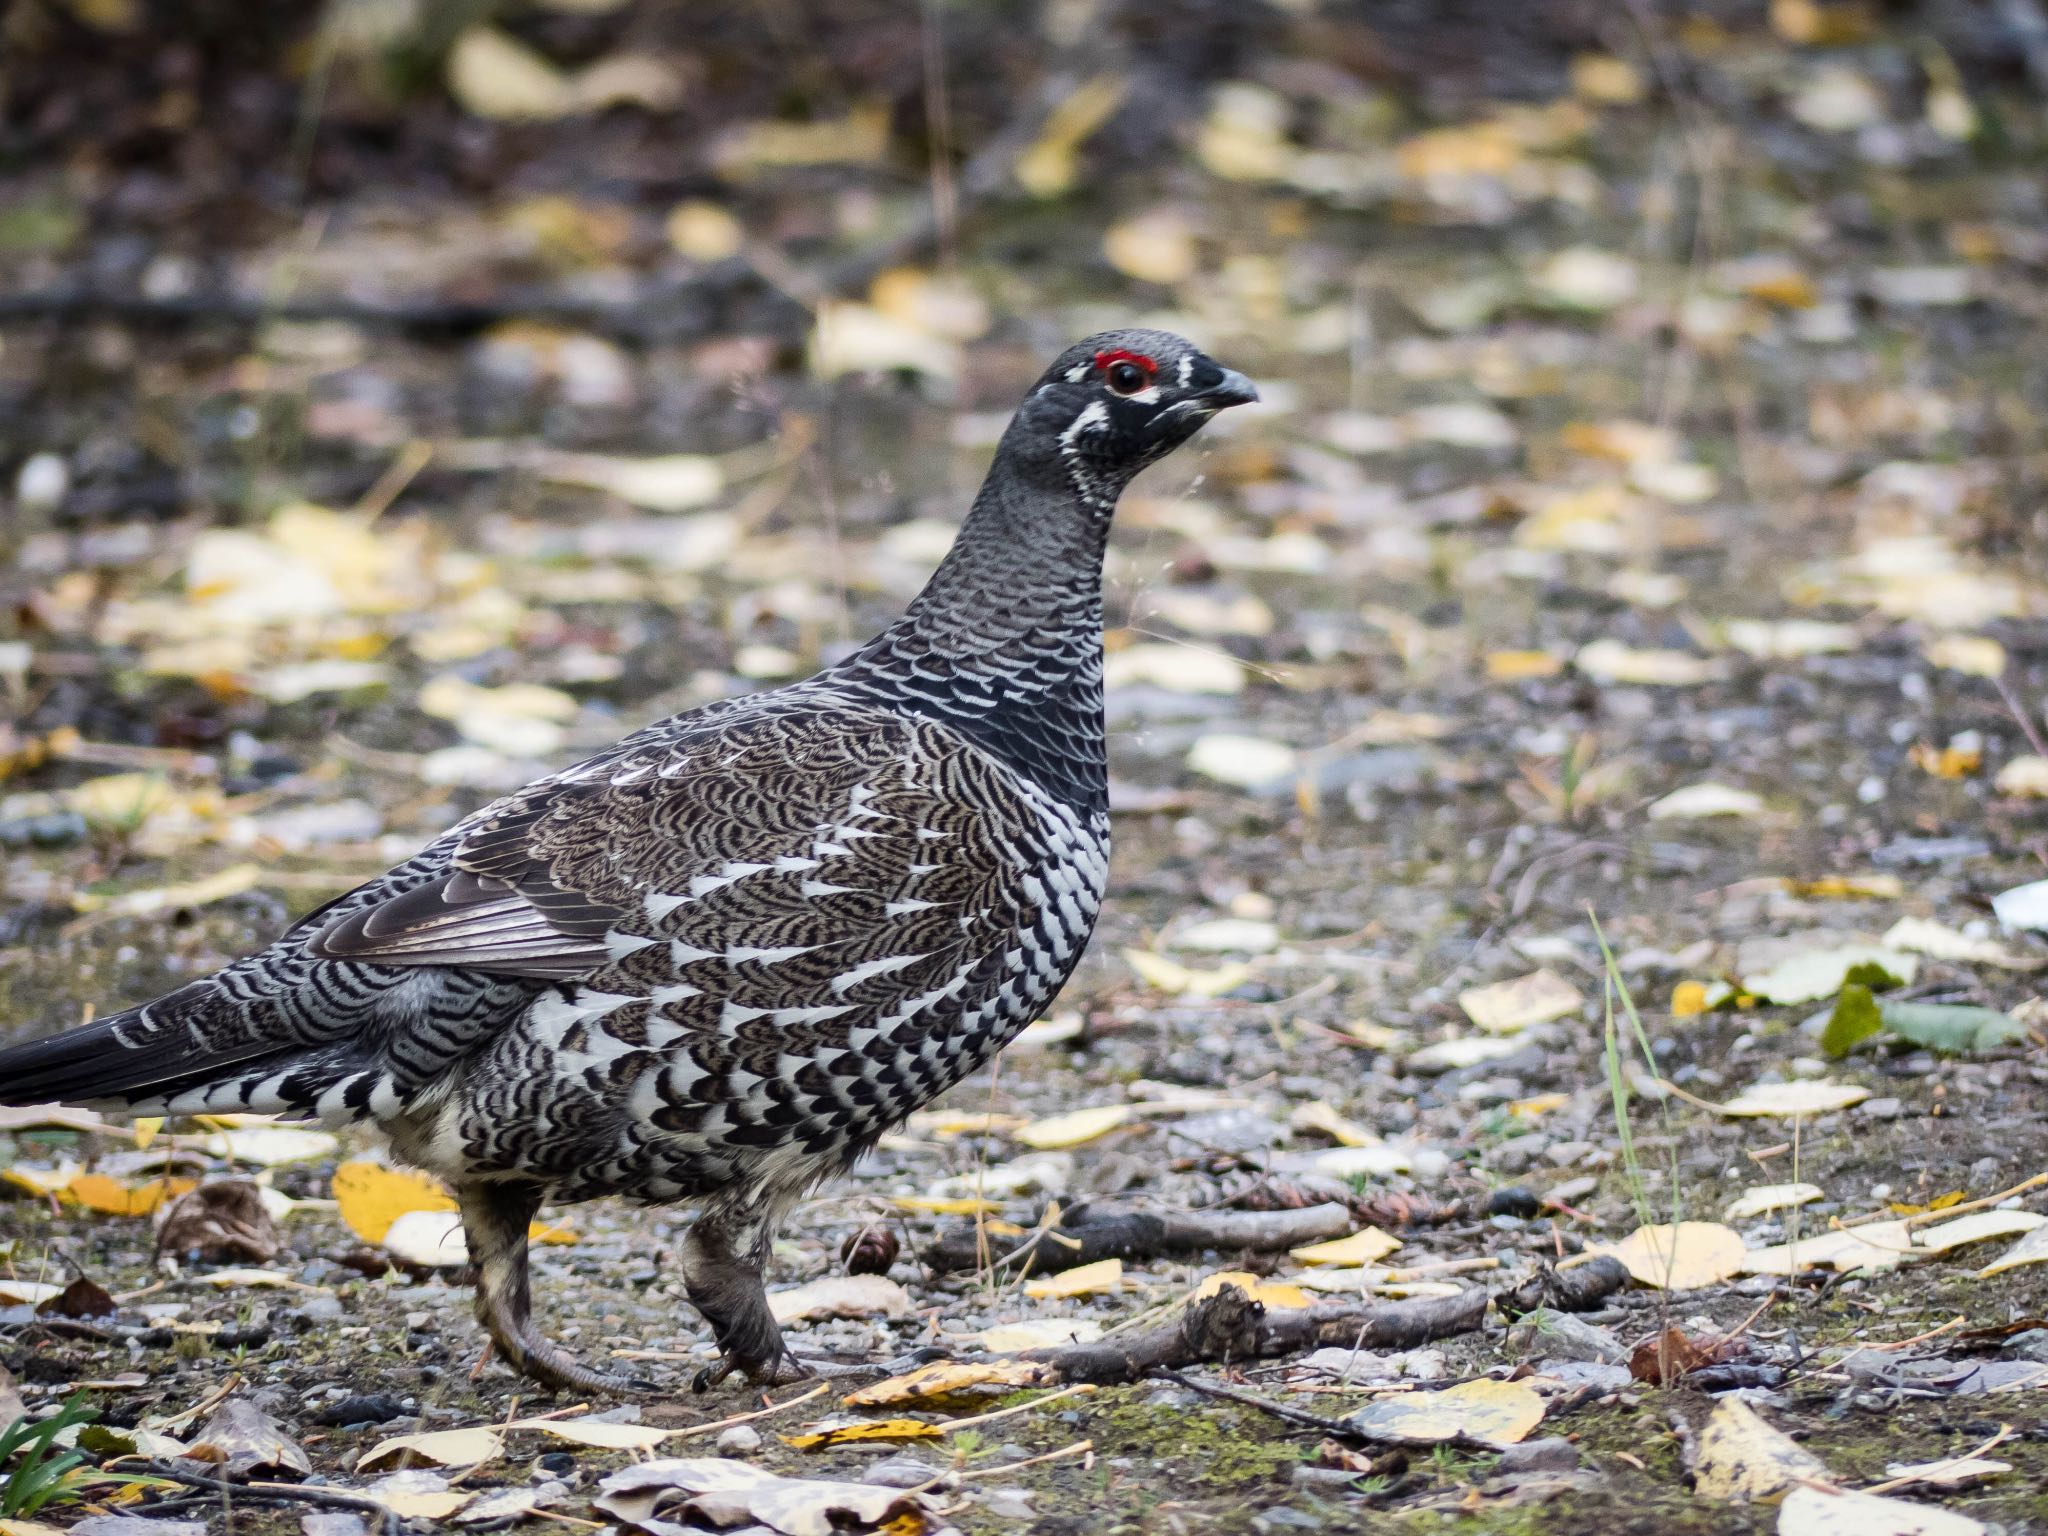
x=740, y=1440
x=1552, y=1454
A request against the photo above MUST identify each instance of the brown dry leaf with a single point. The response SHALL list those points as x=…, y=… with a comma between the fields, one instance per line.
x=221, y=1221
x=244, y=1439
x=1674, y=1353
x=1809, y=1511
x=720, y=1492
x=1103, y=1276
x=1870, y=1249
x=469, y=1447
x=1510, y=1006
x=1073, y=1128
x=841, y=1296
x=863, y=1430
x=1491, y=1412
x=947, y=1378
x=1363, y=1247
x=1684, y=1257
x=1740, y=1458
x=1267, y=1293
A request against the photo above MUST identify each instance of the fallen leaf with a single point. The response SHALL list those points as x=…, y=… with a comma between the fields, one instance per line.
x=111, y=1197
x=595, y=1432
x=1165, y=975
x=244, y=1439
x=418, y=1495
x=1319, y=1115
x=1073, y=1128
x=2031, y=1249
x=27, y=1293
x=220, y=1221
x=2024, y=776
x=1741, y=1458
x=1586, y=277
x=1461, y=1052
x=1956, y=1472
x=371, y=1196
x=1105, y=1275
x=1038, y=1333
x=1806, y=976
x=1872, y=1249
x=1609, y=661
x=1974, y=655
x=1363, y=1247
x=1682, y=1258
x=863, y=1430
x=443, y=1447
x=2023, y=906
x=1267, y=1293
x=658, y=1496
x=1927, y=937
x=1664, y=1360
x=1522, y=666
x=840, y=1296
x=950, y=1378
x=1491, y=1412
x=1762, y=1199
x=1808, y=1096
x=1247, y=762
x=1696, y=802
x=1048, y=166
x=1977, y=1227
x=229, y=882
x=1809, y=1511
x=272, y=1146
x=1509, y=1006
x=1176, y=668
x=1157, y=246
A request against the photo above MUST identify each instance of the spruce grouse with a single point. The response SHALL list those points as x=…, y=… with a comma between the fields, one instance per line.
x=718, y=960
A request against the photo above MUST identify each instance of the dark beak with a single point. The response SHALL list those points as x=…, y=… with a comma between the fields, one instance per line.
x=1232, y=389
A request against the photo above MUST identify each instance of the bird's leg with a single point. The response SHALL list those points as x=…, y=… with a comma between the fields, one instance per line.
x=495, y=1218
x=722, y=1262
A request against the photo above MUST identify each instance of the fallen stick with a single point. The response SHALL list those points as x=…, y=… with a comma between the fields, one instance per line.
x=1118, y=1233
x=1230, y=1326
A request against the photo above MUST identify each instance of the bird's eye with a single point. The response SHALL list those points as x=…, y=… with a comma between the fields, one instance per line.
x=1127, y=378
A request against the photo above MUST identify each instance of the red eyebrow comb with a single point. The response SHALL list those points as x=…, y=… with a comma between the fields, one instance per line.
x=1125, y=355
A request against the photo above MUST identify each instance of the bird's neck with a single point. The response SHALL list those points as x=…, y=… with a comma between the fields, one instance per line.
x=1005, y=641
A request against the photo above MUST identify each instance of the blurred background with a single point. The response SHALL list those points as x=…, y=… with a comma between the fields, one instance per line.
x=396, y=398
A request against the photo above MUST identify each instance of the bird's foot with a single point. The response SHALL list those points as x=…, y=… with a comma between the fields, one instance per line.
x=776, y=1368
x=552, y=1366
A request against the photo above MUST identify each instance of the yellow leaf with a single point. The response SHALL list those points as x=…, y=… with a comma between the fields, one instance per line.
x=1521, y=666
x=947, y=1378
x=1762, y=1199
x=1688, y=1000
x=1073, y=1128
x=944, y=1207
x=1154, y=247
x=371, y=1196
x=1363, y=1247
x=1848, y=888
x=1975, y=655
x=704, y=231
x=1602, y=78
x=1497, y=1412
x=97, y=1192
x=1266, y=1293
x=1539, y=1104
x=1047, y=168
x=39, y=1181
x=1977, y=1228
x=1743, y=1458
x=2031, y=1249
x=1104, y=1275
x=875, y=1429
x=443, y=1447
x=1039, y=1333
x=146, y=1128
x=1681, y=1258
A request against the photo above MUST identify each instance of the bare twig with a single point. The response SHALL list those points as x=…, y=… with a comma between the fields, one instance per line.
x=277, y=1493
x=1121, y=1233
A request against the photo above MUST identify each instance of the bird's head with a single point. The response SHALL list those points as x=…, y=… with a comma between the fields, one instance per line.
x=1116, y=402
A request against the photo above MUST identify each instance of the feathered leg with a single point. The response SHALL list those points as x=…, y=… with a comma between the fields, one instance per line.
x=495, y=1218
x=723, y=1259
